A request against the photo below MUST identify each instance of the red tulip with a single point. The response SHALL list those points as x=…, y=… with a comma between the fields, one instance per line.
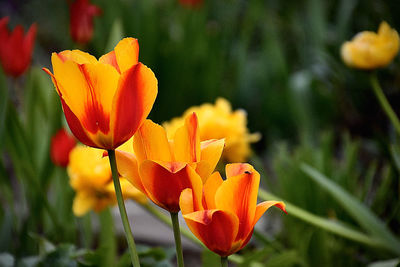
x=15, y=48
x=81, y=20
x=61, y=145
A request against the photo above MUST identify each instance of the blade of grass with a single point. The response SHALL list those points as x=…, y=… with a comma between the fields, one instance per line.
x=335, y=227
x=359, y=212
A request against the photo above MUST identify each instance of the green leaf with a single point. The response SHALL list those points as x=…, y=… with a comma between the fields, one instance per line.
x=359, y=212
x=332, y=226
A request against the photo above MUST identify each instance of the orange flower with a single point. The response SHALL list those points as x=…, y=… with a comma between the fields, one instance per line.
x=104, y=101
x=61, y=145
x=15, y=48
x=81, y=20
x=224, y=215
x=162, y=169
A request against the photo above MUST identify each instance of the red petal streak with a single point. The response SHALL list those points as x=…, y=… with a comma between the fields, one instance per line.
x=194, y=136
x=215, y=228
x=95, y=118
x=136, y=93
x=110, y=59
x=163, y=185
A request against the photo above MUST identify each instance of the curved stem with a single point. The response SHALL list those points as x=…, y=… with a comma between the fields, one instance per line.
x=122, y=210
x=384, y=102
x=224, y=261
x=177, y=236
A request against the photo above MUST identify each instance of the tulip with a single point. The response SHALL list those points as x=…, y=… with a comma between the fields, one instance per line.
x=161, y=169
x=370, y=50
x=224, y=215
x=106, y=100
x=218, y=121
x=61, y=145
x=81, y=20
x=15, y=48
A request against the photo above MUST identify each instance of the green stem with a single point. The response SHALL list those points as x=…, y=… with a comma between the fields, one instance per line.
x=224, y=261
x=384, y=102
x=177, y=236
x=164, y=218
x=122, y=210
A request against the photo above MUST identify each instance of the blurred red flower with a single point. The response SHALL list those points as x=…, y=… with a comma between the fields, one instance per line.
x=15, y=48
x=191, y=3
x=61, y=144
x=81, y=20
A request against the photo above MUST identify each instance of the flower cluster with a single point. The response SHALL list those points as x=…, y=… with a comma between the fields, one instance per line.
x=106, y=102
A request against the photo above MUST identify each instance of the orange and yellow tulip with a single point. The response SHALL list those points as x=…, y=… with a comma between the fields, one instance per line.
x=104, y=101
x=161, y=169
x=222, y=214
x=370, y=50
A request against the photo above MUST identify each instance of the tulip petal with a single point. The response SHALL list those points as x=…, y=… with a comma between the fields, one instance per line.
x=137, y=91
x=76, y=56
x=217, y=229
x=164, y=184
x=83, y=202
x=127, y=53
x=237, y=169
x=30, y=39
x=211, y=151
x=73, y=122
x=101, y=80
x=187, y=141
x=88, y=90
x=210, y=188
x=186, y=201
x=260, y=210
x=128, y=168
x=150, y=142
x=264, y=206
x=110, y=59
x=238, y=194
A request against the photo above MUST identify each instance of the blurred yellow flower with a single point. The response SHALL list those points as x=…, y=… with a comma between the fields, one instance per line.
x=370, y=50
x=219, y=121
x=90, y=177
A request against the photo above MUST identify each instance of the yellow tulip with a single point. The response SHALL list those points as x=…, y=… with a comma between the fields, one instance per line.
x=90, y=177
x=370, y=50
x=219, y=121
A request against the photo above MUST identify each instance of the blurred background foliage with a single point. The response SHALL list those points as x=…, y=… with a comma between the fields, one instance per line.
x=278, y=60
